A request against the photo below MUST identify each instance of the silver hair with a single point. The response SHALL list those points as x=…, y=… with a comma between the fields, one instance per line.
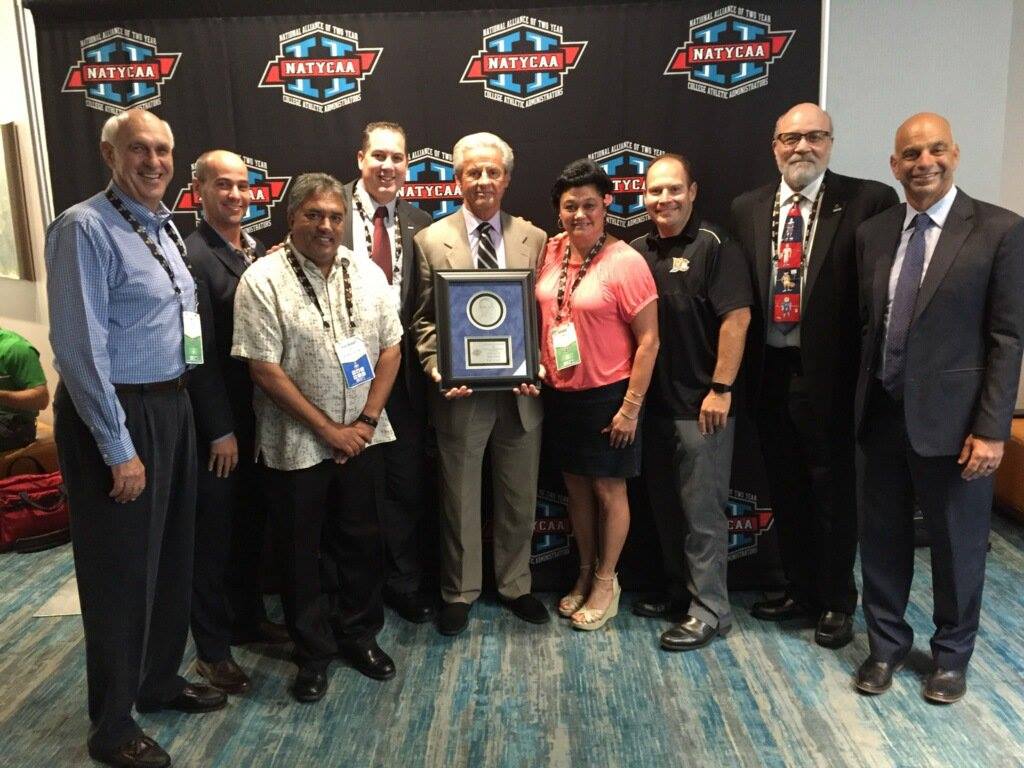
x=312, y=183
x=478, y=140
x=112, y=127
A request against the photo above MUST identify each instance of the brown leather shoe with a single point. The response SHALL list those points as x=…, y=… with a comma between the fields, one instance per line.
x=194, y=697
x=140, y=752
x=225, y=675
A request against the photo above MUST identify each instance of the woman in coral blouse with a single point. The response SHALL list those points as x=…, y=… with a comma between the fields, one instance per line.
x=599, y=338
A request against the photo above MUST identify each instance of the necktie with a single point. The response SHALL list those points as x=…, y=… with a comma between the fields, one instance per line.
x=789, y=270
x=486, y=256
x=381, y=243
x=902, y=311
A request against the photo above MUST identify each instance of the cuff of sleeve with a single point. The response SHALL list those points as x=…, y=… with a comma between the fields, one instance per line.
x=429, y=364
x=222, y=437
x=118, y=451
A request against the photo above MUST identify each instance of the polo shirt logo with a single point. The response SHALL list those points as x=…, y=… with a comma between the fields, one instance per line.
x=680, y=264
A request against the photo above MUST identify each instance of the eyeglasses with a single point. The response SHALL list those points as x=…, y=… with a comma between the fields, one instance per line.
x=315, y=217
x=814, y=138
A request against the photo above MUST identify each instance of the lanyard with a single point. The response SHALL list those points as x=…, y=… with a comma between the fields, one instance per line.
x=307, y=286
x=564, y=272
x=396, y=261
x=120, y=207
x=808, y=230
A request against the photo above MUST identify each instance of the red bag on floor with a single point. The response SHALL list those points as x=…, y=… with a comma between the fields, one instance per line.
x=33, y=512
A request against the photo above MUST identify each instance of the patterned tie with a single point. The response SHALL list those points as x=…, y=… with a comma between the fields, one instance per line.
x=788, y=270
x=486, y=256
x=381, y=243
x=902, y=311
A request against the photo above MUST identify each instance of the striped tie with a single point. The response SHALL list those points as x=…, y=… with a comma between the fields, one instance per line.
x=486, y=257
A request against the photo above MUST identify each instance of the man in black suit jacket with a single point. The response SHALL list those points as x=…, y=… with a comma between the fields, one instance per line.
x=802, y=365
x=227, y=603
x=380, y=225
x=943, y=314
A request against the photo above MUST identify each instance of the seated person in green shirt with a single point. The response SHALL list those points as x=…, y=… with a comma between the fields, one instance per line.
x=23, y=392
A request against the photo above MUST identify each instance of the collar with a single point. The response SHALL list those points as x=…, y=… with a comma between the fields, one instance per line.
x=937, y=213
x=810, y=191
x=370, y=205
x=685, y=237
x=156, y=218
x=311, y=266
x=208, y=229
x=472, y=222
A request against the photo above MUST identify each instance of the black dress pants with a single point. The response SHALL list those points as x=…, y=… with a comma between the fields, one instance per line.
x=957, y=514
x=812, y=481
x=230, y=525
x=329, y=508
x=133, y=561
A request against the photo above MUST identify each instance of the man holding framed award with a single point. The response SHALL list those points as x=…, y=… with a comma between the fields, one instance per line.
x=483, y=237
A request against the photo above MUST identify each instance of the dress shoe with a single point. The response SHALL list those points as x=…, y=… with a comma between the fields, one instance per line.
x=944, y=686
x=779, y=609
x=529, y=608
x=140, y=752
x=661, y=607
x=414, y=607
x=194, y=697
x=369, y=659
x=453, y=619
x=589, y=619
x=310, y=685
x=874, y=676
x=688, y=635
x=835, y=629
x=264, y=632
x=225, y=675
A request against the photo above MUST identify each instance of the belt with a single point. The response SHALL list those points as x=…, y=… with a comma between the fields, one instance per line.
x=171, y=385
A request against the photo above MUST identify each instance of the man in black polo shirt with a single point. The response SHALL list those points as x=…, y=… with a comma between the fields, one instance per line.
x=703, y=312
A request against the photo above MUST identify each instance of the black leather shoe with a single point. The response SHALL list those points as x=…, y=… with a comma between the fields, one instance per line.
x=688, y=635
x=225, y=675
x=414, y=607
x=944, y=686
x=779, y=609
x=661, y=607
x=874, y=676
x=453, y=619
x=835, y=629
x=264, y=632
x=369, y=659
x=529, y=608
x=194, y=697
x=140, y=752
x=310, y=685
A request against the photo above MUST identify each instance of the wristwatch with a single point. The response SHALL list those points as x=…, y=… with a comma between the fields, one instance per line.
x=367, y=420
x=719, y=388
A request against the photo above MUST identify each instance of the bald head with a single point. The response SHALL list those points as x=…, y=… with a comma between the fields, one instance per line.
x=925, y=159
x=802, y=144
x=209, y=162
x=221, y=186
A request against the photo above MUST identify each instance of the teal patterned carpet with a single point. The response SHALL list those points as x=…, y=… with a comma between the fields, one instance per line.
x=509, y=694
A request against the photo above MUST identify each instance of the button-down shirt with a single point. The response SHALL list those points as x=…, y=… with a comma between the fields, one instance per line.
x=114, y=316
x=777, y=338
x=276, y=322
x=472, y=222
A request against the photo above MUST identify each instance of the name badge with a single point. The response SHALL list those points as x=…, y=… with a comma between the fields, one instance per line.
x=355, y=361
x=193, y=344
x=566, y=346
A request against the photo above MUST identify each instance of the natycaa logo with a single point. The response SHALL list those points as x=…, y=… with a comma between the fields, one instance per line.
x=320, y=67
x=430, y=183
x=523, y=61
x=120, y=70
x=747, y=522
x=729, y=52
x=266, y=192
x=627, y=163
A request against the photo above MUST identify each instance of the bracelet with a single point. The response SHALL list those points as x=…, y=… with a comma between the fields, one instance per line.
x=626, y=415
x=635, y=393
x=367, y=420
x=637, y=403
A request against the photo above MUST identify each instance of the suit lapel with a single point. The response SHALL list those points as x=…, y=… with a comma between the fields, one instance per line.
x=408, y=254
x=763, y=249
x=883, y=266
x=831, y=211
x=231, y=261
x=958, y=226
x=456, y=243
x=516, y=254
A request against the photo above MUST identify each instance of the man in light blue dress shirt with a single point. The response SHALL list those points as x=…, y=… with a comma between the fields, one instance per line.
x=121, y=297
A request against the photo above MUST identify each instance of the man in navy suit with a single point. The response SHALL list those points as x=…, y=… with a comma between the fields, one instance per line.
x=943, y=315
x=227, y=604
